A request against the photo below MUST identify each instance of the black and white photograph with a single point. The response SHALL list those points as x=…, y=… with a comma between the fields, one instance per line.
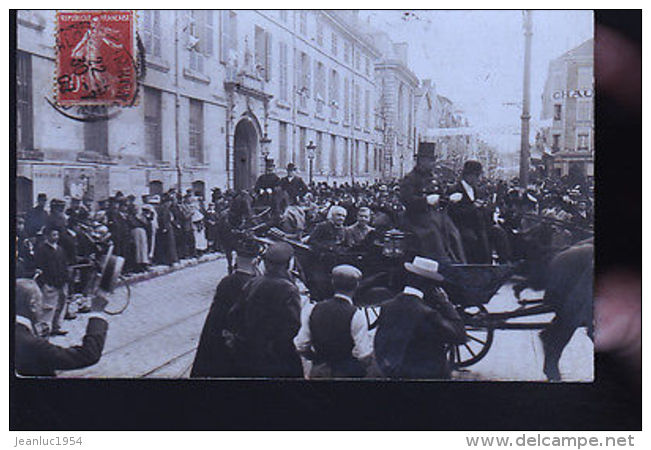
x=305, y=194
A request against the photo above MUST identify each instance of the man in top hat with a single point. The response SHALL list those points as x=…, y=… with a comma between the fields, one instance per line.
x=415, y=327
x=266, y=183
x=293, y=184
x=433, y=234
x=469, y=216
x=334, y=334
x=267, y=318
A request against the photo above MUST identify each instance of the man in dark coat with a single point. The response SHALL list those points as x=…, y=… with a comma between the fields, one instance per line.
x=51, y=260
x=36, y=217
x=215, y=353
x=293, y=184
x=415, y=327
x=266, y=183
x=35, y=356
x=433, y=235
x=468, y=215
x=165, y=252
x=267, y=318
x=329, y=235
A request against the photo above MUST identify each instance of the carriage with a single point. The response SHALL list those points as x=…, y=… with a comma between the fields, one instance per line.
x=470, y=287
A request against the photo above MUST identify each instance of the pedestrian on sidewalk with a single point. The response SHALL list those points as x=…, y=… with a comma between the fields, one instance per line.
x=51, y=260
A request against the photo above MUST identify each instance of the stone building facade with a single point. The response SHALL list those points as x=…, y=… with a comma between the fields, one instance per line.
x=567, y=140
x=220, y=92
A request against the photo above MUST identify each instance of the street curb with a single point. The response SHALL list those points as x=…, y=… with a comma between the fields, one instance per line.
x=157, y=271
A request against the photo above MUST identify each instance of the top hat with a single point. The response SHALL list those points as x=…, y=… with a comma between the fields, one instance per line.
x=426, y=150
x=269, y=163
x=424, y=267
x=472, y=167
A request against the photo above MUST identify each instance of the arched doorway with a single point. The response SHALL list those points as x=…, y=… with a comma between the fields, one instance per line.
x=245, y=151
x=24, y=194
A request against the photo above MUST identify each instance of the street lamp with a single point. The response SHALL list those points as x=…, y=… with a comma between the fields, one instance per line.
x=310, y=156
x=264, y=143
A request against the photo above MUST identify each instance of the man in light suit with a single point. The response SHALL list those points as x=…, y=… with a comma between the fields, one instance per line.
x=35, y=356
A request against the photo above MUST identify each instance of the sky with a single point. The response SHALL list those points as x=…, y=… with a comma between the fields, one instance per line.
x=476, y=59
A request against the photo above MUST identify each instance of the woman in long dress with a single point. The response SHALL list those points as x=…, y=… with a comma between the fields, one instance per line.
x=138, y=224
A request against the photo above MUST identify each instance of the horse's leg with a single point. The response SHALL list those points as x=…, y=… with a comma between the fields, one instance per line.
x=554, y=339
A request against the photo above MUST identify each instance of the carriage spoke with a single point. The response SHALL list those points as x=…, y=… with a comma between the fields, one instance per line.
x=457, y=353
x=470, y=336
x=470, y=350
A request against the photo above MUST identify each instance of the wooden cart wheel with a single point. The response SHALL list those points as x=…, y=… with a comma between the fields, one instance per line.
x=480, y=338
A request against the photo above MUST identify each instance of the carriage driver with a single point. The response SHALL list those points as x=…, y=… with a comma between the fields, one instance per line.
x=266, y=183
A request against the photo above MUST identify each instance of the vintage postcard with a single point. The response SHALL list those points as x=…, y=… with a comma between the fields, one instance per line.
x=305, y=194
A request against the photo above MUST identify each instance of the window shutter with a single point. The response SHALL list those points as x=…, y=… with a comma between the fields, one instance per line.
x=156, y=34
x=267, y=59
x=208, y=34
x=147, y=32
x=223, y=36
x=308, y=75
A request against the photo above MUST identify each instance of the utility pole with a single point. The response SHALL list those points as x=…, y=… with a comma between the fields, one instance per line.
x=524, y=134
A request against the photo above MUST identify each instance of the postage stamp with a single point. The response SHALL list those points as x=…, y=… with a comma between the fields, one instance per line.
x=95, y=62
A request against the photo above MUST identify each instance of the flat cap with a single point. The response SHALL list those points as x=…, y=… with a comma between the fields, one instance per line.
x=346, y=271
x=279, y=253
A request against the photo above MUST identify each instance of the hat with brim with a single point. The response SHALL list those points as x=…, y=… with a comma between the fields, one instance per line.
x=291, y=166
x=424, y=267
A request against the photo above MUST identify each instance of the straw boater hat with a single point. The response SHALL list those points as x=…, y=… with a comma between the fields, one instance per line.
x=424, y=267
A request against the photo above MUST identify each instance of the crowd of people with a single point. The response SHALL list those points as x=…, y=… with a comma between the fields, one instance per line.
x=466, y=220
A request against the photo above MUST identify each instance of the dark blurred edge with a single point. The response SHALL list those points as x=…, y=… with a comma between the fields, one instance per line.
x=606, y=404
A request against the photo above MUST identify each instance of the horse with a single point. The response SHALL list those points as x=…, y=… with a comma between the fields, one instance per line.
x=568, y=291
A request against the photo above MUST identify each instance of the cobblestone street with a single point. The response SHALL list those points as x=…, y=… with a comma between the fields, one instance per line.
x=158, y=334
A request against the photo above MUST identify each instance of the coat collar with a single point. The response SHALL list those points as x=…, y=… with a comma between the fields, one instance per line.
x=408, y=290
x=24, y=321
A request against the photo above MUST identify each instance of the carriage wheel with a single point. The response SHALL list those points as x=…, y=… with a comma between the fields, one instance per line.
x=479, y=340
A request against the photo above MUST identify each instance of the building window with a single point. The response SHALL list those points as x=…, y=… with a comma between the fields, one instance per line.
x=346, y=100
x=319, y=151
x=347, y=52
x=152, y=32
x=284, y=85
x=228, y=36
x=319, y=88
x=153, y=122
x=367, y=109
x=283, y=15
x=96, y=133
x=584, y=76
x=196, y=131
x=346, y=159
x=282, y=144
x=24, y=104
x=357, y=102
x=368, y=65
x=557, y=112
x=263, y=53
x=200, y=38
x=334, y=44
x=583, y=141
x=334, y=93
x=357, y=59
x=556, y=142
x=302, y=142
x=333, y=154
x=584, y=110
x=304, y=80
x=319, y=33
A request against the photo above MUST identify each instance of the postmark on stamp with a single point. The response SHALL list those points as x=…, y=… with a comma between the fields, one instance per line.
x=95, y=62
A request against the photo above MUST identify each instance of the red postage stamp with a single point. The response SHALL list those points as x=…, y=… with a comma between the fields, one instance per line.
x=95, y=62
